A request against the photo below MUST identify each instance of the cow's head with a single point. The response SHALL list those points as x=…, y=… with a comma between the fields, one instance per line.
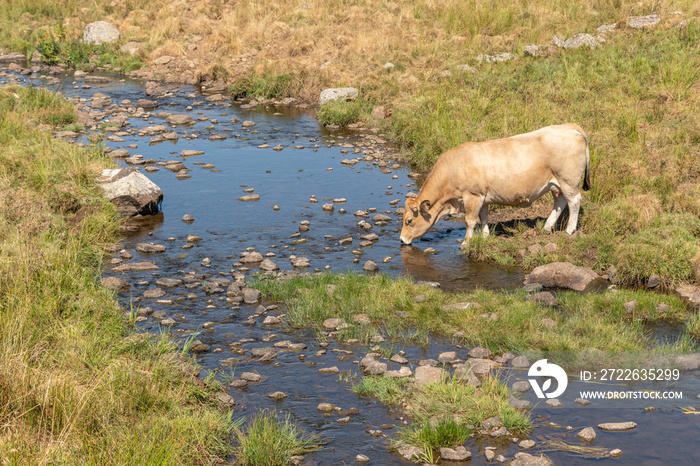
x=417, y=220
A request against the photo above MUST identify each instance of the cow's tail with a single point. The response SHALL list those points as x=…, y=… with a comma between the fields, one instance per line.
x=587, y=174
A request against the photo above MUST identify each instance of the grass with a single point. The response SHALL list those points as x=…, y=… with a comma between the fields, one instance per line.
x=635, y=95
x=76, y=386
x=582, y=322
x=272, y=441
x=389, y=391
x=343, y=113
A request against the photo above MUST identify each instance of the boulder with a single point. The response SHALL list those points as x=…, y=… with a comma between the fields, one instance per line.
x=642, y=22
x=180, y=119
x=587, y=435
x=131, y=191
x=581, y=40
x=458, y=454
x=561, y=275
x=345, y=93
x=100, y=32
x=427, y=374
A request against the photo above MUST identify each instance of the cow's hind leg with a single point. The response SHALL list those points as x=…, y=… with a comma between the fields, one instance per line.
x=472, y=208
x=484, y=219
x=559, y=203
x=574, y=201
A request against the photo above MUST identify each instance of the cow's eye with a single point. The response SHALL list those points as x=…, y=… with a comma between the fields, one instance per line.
x=408, y=221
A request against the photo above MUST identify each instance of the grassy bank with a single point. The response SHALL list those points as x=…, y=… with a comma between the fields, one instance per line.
x=501, y=321
x=76, y=386
x=636, y=95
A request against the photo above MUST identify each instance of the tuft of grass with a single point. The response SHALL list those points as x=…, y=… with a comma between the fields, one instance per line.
x=389, y=391
x=433, y=435
x=343, y=112
x=272, y=441
x=267, y=86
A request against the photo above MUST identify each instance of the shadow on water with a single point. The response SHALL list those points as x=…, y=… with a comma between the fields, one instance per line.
x=355, y=173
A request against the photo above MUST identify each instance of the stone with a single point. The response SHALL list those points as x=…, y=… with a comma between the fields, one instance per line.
x=410, y=452
x=398, y=359
x=688, y=362
x=149, y=248
x=428, y=374
x=582, y=402
x=345, y=93
x=561, y=275
x=153, y=293
x=615, y=453
x=400, y=374
x=114, y=283
x=250, y=377
x=588, y=435
x=299, y=262
x=554, y=403
x=333, y=323
x=447, y=357
x=581, y=40
x=520, y=362
x=521, y=386
x=325, y=407
x=654, y=281
x=190, y=153
x=100, y=32
x=464, y=373
x=251, y=295
x=642, y=22
x=187, y=218
x=458, y=454
x=519, y=404
x=479, y=352
x=527, y=444
x=268, y=265
x=361, y=459
x=277, y=395
x=225, y=398
x=131, y=191
x=544, y=298
x=251, y=257
x=492, y=422
x=180, y=119
x=329, y=370
x=617, y=426
x=370, y=266
x=501, y=57
x=271, y=320
x=136, y=266
x=376, y=368
x=525, y=459
x=532, y=50
x=481, y=367
x=249, y=198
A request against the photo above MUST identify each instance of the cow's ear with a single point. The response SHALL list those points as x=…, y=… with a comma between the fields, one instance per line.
x=425, y=207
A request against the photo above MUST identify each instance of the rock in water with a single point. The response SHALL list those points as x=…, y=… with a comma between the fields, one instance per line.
x=131, y=191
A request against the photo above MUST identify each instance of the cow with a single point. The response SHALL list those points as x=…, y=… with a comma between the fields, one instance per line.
x=513, y=171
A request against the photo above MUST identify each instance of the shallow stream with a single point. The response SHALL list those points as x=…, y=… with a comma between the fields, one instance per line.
x=306, y=174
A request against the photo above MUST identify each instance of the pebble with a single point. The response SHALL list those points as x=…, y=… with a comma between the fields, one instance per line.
x=617, y=426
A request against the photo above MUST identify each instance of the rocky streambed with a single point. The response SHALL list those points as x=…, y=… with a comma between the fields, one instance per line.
x=262, y=189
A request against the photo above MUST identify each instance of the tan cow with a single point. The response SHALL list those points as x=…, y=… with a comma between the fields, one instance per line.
x=514, y=171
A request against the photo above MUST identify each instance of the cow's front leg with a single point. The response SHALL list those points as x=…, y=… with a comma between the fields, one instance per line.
x=472, y=208
x=484, y=219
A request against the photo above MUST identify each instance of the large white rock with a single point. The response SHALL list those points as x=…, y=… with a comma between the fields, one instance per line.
x=100, y=32
x=344, y=93
x=131, y=191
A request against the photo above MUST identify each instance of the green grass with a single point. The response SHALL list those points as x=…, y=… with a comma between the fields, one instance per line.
x=272, y=441
x=76, y=385
x=389, y=391
x=267, y=86
x=342, y=112
x=584, y=321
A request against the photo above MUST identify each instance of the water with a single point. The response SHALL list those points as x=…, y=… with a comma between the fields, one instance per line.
x=290, y=179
